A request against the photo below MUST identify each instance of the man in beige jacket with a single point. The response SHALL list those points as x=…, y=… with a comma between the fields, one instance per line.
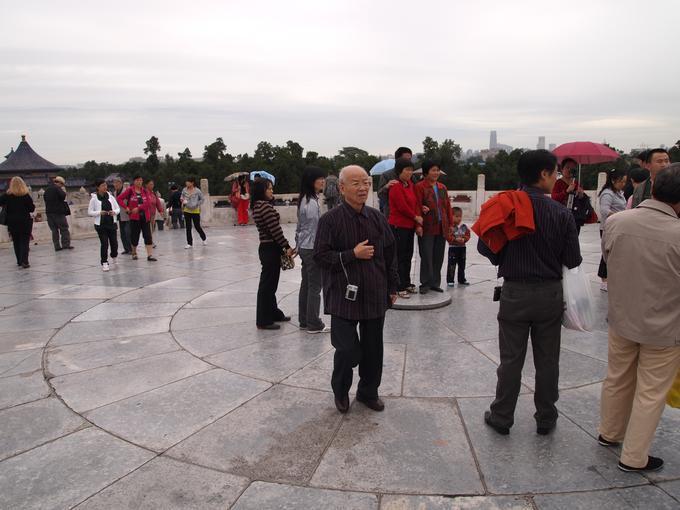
x=642, y=250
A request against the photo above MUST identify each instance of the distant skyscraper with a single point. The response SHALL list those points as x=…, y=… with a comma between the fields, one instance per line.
x=552, y=146
x=493, y=141
x=541, y=142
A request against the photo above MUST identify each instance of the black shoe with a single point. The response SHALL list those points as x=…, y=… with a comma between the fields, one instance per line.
x=152, y=259
x=372, y=403
x=285, y=318
x=58, y=249
x=25, y=265
x=503, y=431
x=424, y=289
x=342, y=404
x=464, y=283
x=437, y=289
x=68, y=247
x=270, y=326
x=605, y=442
x=653, y=464
x=544, y=431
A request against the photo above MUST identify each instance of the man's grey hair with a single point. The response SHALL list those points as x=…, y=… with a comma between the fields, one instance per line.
x=666, y=186
x=346, y=169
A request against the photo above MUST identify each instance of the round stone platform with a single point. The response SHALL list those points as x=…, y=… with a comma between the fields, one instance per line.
x=429, y=301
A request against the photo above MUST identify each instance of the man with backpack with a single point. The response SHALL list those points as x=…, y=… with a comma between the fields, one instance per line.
x=331, y=192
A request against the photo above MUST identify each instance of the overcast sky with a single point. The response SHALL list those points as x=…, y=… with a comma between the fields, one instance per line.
x=94, y=80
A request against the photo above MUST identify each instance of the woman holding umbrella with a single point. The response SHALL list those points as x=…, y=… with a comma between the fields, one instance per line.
x=240, y=198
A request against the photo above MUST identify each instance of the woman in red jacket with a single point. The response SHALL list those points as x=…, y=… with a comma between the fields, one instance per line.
x=405, y=221
x=433, y=199
x=240, y=198
x=141, y=205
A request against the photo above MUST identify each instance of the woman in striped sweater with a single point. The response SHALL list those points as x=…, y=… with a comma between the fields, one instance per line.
x=272, y=245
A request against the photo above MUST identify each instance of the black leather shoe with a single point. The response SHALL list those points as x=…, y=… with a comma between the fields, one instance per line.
x=342, y=404
x=437, y=289
x=58, y=249
x=503, y=431
x=270, y=326
x=653, y=464
x=424, y=290
x=68, y=247
x=605, y=442
x=284, y=319
x=373, y=403
x=544, y=431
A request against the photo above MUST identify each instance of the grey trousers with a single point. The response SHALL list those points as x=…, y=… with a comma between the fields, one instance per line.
x=529, y=309
x=58, y=225
x=431, y=260
x=309, y=303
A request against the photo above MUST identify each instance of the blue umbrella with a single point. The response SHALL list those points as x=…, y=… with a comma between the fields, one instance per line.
x=263, y=174
x=382, y=166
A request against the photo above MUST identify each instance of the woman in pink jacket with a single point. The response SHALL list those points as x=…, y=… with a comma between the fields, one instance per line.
x=141, y=205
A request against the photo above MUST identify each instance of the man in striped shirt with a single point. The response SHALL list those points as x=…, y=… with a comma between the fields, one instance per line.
x=356, y=251
x=532, y=298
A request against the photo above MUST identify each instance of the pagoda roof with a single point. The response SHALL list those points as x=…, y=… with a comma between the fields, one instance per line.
x=25, y=159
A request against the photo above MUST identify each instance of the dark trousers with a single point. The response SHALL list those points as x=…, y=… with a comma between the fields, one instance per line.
x=404, y=238
x=457, y=257
x=125, y=235
x=59, y=225
x=21, y=239
x=529, y=309
x=431, y=260
x=309, y=302
x=177, y=218
x=196, y=219
x=364, y=348
x=140, y=227
x=108, y=237
x=267, y=310
x=602, y=270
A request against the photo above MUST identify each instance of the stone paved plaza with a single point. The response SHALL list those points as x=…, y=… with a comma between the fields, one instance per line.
x=150, y=387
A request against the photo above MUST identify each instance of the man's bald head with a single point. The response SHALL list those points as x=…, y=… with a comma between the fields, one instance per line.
x=355, y=185
x=351, y=171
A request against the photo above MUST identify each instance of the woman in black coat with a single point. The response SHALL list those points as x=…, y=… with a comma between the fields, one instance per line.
x=18, y=204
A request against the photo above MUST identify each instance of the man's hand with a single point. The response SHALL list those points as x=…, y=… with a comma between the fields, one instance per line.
x=426, y=209
x=419, y=231
x=134, y=211
x=393, y=298
x=364, y=251
x=391, y=183
x=419, y=220
x=290, y=252
x=572, y=186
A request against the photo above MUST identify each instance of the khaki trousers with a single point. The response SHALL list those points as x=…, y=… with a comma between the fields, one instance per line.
x=634, y=394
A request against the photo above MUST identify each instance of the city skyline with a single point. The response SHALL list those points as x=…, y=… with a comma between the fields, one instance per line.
x=81, y=90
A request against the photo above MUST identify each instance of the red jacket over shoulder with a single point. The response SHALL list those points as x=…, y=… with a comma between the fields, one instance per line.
x=403, y=206
x=505, y=217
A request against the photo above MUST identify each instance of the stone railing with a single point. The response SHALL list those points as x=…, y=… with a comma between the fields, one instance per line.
x=215, y=211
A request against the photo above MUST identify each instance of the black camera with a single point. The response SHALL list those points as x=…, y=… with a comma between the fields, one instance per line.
x=497, y=291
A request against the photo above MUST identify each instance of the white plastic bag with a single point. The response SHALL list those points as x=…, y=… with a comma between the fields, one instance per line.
x=578, y=300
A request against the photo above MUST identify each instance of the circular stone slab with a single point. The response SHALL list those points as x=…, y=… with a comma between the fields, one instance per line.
x=428, y=301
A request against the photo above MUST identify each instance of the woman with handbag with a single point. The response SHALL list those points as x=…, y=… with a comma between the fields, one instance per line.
x=273, y=245
x=17, y=206
x=309, y=212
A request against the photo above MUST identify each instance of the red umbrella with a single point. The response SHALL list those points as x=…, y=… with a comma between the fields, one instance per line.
x=585, y=153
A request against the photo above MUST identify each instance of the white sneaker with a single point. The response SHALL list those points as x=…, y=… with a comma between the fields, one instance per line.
x=188, y=247
x=326, y=329
x=105, y=266
x=603, y=287
x=205, y=242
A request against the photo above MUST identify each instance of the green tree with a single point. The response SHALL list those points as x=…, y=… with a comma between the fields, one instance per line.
x=152, y=148
x=674, y=152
